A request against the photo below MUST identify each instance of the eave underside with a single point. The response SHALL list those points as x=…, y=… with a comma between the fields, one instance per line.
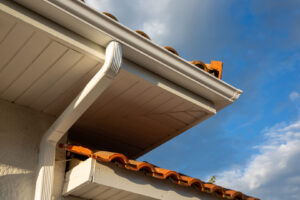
x=44, y=66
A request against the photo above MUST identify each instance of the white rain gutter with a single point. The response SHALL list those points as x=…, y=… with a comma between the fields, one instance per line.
x=87, y=22
x=102, y=79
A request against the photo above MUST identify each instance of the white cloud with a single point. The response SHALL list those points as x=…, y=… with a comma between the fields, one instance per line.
x=156, y=29
x=294, y=96
x=166, y=22
x=103, y=5
x=152, y=17
x=156, y=20
x=274, y=173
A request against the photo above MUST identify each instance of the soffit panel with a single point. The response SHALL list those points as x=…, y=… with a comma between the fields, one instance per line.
x=36, y=68
x=133, y=115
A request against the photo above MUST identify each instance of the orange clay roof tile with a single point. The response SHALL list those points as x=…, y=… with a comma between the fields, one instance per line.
x=142, y=33
x=77, y=150
x=166, y=174
x=135, y=165
x=234, y=194
x=111, y=16
x=107, y=156
x=149, y=169
x=192, y=182
x=199, y=64
x=218, y=66
x=214, y=68
x=215, y=189
x=172, y=50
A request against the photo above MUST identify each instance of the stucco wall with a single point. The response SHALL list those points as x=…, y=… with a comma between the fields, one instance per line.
x=20, y=132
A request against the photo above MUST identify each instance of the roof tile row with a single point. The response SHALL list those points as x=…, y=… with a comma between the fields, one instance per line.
x=215, y=68
x=156, y=172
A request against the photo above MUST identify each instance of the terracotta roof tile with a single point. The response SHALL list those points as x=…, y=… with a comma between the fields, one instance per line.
x=107, y=156
x=135, y=165
x=111, y=16
x=77, y=149
x=215, y=189
x=235, y=195
x=215, y=68
x=192, y=182
x=172, y=50
x=142, y=33
x=199, y=64
x=156, y=172
x=166, y=174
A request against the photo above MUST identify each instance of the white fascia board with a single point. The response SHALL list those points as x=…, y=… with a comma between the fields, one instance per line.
x=84, y=20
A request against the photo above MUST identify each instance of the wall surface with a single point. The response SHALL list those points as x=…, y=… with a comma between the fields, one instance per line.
x=21, y=130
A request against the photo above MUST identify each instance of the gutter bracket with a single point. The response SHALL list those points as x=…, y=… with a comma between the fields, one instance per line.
x=95, y=87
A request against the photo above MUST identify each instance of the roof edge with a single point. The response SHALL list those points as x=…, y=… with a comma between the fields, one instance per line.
x=171, y=67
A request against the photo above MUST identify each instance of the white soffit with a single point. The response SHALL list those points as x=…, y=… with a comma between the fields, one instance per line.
x=80, y=18
x=40, y=61
x=93, y=180
x=138, y=112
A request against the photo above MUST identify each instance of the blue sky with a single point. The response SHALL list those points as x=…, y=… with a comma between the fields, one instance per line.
x=254, y=144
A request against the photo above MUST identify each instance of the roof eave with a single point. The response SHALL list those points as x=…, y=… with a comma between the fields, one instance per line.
x=89, y=23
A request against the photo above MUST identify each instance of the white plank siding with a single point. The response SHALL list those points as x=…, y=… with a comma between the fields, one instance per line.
x=24, y=59
x=64, y=83
x=39, y=67
x=68, y=60
x=13, y=43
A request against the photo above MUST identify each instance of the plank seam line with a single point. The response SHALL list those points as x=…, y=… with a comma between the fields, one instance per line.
x=19, y=49
x=112, y=100
x=8, y=32
x=50, y=86
x=43, y=73
x=28, y=66
x=46, y=106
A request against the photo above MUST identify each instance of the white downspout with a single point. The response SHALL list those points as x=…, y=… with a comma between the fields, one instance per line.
x=102, y=79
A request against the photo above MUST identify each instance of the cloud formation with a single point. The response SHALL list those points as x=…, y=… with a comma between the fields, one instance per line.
x=274, y=173
x=148, y=16
x=294, y=96
x=175, y=23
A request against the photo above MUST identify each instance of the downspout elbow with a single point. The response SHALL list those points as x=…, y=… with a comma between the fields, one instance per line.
x=101, y=80
x=95, y=87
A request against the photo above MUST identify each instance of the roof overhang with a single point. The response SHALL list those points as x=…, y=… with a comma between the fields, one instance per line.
x=89, y=23
x=155, y=97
